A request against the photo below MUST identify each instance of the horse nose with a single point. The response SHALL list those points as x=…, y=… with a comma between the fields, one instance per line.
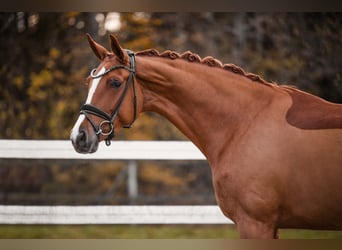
x=81, y=139
x=84, y=142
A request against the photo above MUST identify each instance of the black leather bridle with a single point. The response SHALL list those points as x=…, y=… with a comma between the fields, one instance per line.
x=109, y=119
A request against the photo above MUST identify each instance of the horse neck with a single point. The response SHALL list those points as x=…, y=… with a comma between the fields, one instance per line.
x=207, y=104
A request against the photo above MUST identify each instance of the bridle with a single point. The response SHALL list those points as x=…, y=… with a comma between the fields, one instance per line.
x=109, y=119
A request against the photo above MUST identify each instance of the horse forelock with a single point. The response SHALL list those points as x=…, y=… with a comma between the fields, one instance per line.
x=209, y=61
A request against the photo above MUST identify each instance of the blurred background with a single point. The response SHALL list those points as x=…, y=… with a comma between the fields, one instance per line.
x=45, y=60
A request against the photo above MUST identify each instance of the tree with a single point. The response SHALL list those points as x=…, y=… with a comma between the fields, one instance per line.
x=41, y=73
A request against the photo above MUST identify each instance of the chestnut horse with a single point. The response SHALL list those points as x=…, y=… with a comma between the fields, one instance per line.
x=275, y=152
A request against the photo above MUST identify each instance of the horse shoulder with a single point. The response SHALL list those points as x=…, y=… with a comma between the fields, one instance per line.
x=311, y=112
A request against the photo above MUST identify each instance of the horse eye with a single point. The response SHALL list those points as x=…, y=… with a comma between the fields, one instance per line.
x=115, y=83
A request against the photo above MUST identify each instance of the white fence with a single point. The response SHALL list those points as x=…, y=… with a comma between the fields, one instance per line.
x=119, y=150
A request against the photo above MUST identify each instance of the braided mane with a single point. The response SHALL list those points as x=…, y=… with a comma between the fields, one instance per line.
x=210, y=61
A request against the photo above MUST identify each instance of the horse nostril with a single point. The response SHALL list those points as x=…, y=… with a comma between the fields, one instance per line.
x=82, y=138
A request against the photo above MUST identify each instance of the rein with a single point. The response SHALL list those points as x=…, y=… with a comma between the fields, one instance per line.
x=109, y=119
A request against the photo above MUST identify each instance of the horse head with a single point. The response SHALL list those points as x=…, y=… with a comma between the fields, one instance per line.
x=111, y=102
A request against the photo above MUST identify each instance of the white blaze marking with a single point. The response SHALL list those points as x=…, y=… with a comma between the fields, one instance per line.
x=95, y=83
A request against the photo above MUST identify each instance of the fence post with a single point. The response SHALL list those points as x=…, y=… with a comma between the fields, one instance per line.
x=132, y=180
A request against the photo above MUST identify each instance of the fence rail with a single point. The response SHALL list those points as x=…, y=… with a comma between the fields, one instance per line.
x=111, y=215
x=119, y=150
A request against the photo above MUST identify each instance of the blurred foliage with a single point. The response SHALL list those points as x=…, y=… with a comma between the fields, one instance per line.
x=64, y=182
x=40, y=75
x=45, y=60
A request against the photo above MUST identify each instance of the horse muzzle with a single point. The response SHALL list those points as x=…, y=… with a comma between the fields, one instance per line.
x=84, y=142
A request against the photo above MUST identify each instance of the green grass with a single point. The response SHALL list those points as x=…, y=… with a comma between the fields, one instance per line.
x=145, y=232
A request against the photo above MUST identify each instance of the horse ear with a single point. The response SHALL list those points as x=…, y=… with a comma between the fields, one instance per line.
x=117, y=50
x=98, y=50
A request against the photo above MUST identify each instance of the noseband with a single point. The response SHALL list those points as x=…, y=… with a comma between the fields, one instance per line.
x=109, y=119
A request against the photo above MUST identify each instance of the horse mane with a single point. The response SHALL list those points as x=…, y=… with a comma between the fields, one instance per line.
x=210, y=61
